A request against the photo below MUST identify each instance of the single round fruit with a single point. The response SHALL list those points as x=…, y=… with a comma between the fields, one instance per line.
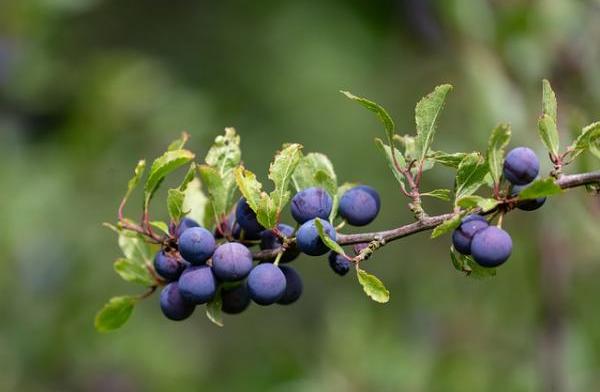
x=308, y=240
x=196, y=245
x=236, y=299
x=338, y=263
x=521, y=166
x=185, y=224
x=359, y=205
x=463, y=235
x=167, y=266
x=293, y=286
x=198, y=284
x=527, y=205
x=266, y=284
x=173, y=305
x=311, y=203
x=231, y=261
x=246, y=219
x=268, y=240
x=491, y=247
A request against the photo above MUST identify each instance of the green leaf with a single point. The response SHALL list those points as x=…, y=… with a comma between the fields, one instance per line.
x=135, y=180
x=224, y=156
x=588, y=138
x=162, y=226
x=178, y=144
x=470, y=174
x=280, y=172
x=134, y=272
x=409, y=143
x=135, y=248
x=384, y=117
x=446, y=226
x=450, y=160
x=216, y=190
x=315, y=170
x=249, y=186
x=548, y=133
x=175, y=199
x=115, y=313
x=472, y=201
x=161, y=167
x=467, y=265
x=372, y=286
x=338, y=195
x=196, y=204
x=549, y=105
x=331, y=244
x=267, y=212
x=213, y=309
x=427, y=112
x=495, y=154
x=540, y=188
x=189, y=176
x=442, y=194
x=387, y=153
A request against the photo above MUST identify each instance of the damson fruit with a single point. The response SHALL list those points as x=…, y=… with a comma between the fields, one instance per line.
x=311, y=203
x=246, y=219
x=173, y=305
x=293, y=286
x=491, y=247
x=462, y=236
x=231, y=261
x=521, y=166
x=196, y=245
x=266, y=284
x=359, y=205
x=235, y=299
x=338, y=263
x=308, y=240
x=198, y=284
x=527, y=205
x=268, y=240
x=185, y=224
x=167, y=266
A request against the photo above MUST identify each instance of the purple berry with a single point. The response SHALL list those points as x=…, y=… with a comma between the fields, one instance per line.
x=196, y=245
x=308, y=240
x=311, y=203
x=527, y=205
x=185, y=224
x=268, y=240
x=491, y=247
x=462, y=236
x=360, y=205
x=173, y=305
x=246, y=219
x=266, y=284
x=231, y=261
x=521, y=166
x=236, y=299
x=167, y=266
x=198, y=284
x=338, y=263
x=293, y=286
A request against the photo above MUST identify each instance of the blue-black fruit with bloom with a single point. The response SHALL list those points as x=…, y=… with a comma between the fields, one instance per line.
x=491, y=247
x=311, y=203
x=293, y=286
x=521, y=166
x=266, y=284
x=198, y=284
x=360, y=205
x=167, y=266
x=235, y=299
x=526, y=205
x=231, y=261
x=338, y=263
x=173, y=305
x=463, y=235
x=196, y=245
x=185, y=224
x=269, y=240
x=246, y=219
x=308, y=240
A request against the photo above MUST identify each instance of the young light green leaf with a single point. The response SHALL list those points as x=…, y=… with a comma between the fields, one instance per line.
x=540, y=188
x=549, y=105
x=175, y=199
x=178, y=144
x=115, y=313
x=305, y=174
x=135, y=248
x=472, y=201
x=476, y=271
x=372, y=286
x=134, y=272
x=135, y=180
x=588, y=138
x=548, y=133
x=213, y=309
x=470, y=174
x=337, y=196
x=331, y=244
x=211, y=178
x=446, y=226
x=409, y=144
x=427, y=112
x=161, y=167
x=196, y=204
x=267, y=212
x=447, y=159
x=280, y=172
x=495, y=154
x=162, y=226
x=224, y=156
x=249, y=186
x=383, y=115
x=442, y=194
x=387, y=153
x=189, y=176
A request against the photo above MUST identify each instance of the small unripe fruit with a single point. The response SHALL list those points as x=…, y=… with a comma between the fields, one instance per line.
x=231, y=261
x=527, y=205
x=338, y=263
x=521, y=166
x=308, y=240
x=491, y=247
x=196, y=245
x=246, y=219
x=236, y=299
x=266, y=284
x=463, y=235
x=357, y=248
x=268, y=240
x=311, y=203
x=185, y=224
x=293, y=286
x=167, y=266
x=173, y=305
x=359, y=205
x=198, y=284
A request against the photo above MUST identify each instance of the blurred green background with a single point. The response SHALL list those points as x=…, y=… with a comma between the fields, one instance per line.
x=88, y=87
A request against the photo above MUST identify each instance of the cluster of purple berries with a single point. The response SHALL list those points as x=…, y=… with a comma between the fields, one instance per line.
x=490, y=246
x=198, y=267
